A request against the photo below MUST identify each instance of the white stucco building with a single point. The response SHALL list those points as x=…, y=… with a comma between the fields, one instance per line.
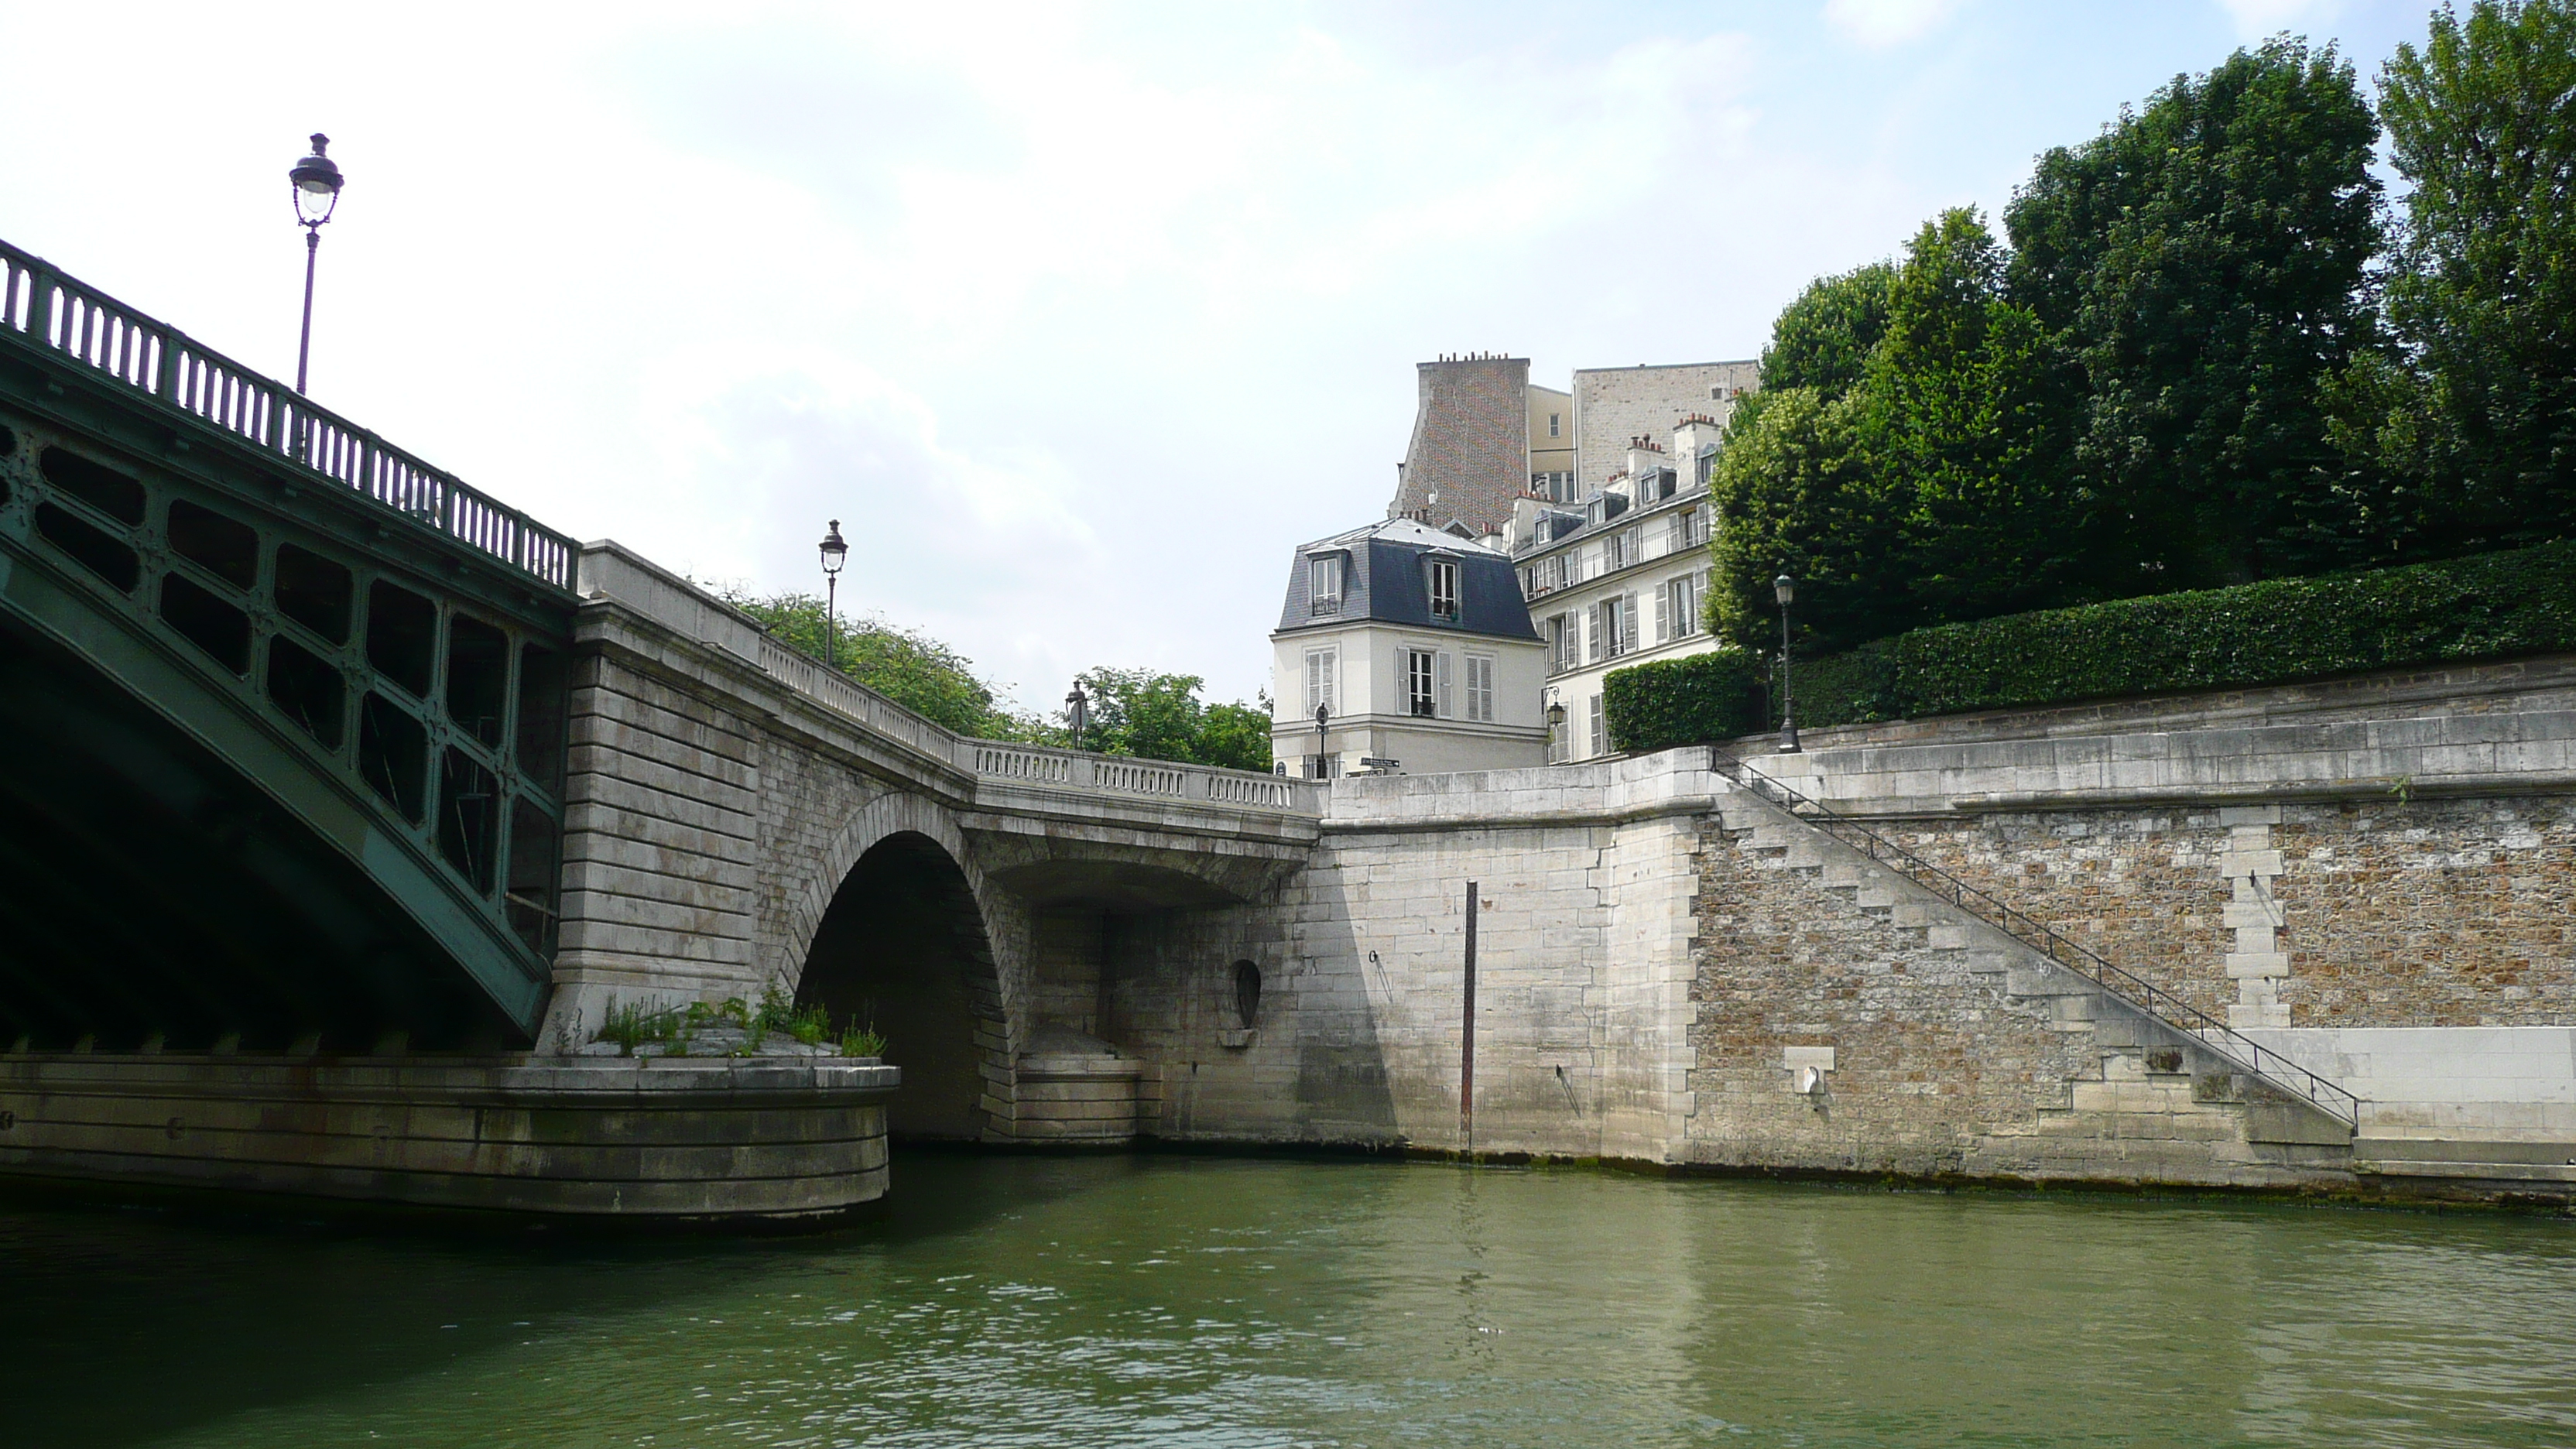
x=1617, y=579
x=1418, y=644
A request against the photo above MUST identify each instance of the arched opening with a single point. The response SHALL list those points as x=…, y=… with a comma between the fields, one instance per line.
x=902, y=948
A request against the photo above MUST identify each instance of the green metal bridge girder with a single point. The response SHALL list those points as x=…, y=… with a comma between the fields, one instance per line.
x=390, y=683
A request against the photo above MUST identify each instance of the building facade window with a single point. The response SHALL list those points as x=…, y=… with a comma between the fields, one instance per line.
x=1324, y=583
x=1562, y=632
x=1615, y=552
x=1480, y=688
x=1560, y=743
x=1600, y=728
x=1323, y=675
x=1614, y=627
x=1555, y=428
x=1419, y=699
x=1703, y=465
x=1681, y=609
x=1444, y=590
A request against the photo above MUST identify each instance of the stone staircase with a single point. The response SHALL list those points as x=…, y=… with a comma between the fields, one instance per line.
x=2159, y=1098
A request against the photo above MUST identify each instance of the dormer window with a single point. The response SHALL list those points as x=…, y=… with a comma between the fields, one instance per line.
x=1444, y=589
x=1324, y=584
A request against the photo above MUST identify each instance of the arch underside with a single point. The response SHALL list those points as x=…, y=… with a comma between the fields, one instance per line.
x=149, y=889
x=903, y=948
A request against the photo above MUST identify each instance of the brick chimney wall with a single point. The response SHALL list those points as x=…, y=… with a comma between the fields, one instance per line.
x=1470, y=441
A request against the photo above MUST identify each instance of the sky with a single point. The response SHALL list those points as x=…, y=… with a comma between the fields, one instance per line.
x=1079, y=318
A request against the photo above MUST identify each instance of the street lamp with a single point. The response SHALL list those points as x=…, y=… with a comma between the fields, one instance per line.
x=835, y=553
x=1785, y=589
x=1323, y=718
x=1555, y=725
x=1077, y=712
x=317, y=192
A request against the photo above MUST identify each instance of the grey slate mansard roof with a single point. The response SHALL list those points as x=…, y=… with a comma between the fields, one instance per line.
x=1383, y=581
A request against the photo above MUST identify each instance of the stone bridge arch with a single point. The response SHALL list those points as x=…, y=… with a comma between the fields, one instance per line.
x=898, y=927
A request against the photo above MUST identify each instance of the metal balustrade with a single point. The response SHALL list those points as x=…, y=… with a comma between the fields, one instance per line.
x=2239, y=1051
x=42, y=307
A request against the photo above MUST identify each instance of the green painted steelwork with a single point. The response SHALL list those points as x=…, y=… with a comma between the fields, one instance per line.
x=382, y=653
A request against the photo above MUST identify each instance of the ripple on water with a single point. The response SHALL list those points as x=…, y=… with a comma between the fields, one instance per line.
x=1197, y=1301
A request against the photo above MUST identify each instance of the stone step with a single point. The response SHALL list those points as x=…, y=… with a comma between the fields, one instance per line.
x=2395, y=1152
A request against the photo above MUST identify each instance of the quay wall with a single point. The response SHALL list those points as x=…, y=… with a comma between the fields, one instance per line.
x=1661, y=951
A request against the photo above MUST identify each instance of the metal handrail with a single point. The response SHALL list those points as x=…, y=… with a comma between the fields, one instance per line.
x=2240, y=1051
x=42, y=306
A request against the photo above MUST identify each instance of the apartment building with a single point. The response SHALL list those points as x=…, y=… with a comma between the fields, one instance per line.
x=1617, y=580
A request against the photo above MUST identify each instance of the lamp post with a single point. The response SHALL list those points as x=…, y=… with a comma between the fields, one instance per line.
x=1077, y=713
x=1555, y=725
x=835, y=553
x=1323, y=719
x=317, y=192
x=1785, y=589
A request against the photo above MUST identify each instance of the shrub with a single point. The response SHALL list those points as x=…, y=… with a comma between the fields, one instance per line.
x=2273, y=632
x=1673, y=702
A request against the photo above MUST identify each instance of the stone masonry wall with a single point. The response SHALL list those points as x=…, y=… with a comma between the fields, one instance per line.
x=1584, y=881
x=1614, y=404
x=1924, y=1057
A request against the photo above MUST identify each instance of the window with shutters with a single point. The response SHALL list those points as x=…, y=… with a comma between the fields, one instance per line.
x=1617, y=551
x=1614, y=627
x=1480, y=688
x=1562, y=633
x=1419, y=700
x=1324, y=584
x=1444, y=590
x=1600, y=728
x=1323, y=674
x=1681, y=607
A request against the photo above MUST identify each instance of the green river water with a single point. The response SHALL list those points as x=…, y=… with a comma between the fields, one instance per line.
x=1207, y=1301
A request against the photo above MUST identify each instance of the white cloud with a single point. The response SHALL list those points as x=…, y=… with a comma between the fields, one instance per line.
x=1882, y=23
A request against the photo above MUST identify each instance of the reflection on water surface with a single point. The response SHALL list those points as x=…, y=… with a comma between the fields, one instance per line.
x=1197, y=1301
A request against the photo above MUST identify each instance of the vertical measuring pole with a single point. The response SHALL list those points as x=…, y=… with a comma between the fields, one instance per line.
x=1467, y=1037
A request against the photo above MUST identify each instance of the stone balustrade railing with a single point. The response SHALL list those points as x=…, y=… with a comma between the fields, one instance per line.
x=1147, y=779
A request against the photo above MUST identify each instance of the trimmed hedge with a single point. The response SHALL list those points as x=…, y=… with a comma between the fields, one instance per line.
x=2274, y=632
x=1651, y=707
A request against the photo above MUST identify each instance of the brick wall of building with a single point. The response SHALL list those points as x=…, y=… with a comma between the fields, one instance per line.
x=1470, y=444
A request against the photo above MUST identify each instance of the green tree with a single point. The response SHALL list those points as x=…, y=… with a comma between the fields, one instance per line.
x=905, y=665
x=2204, y=259
x=1160, y=717
x=2479, y=433
x=1935, y=488
x=1966, y=416
x=1794, y=492
x=1823, y=339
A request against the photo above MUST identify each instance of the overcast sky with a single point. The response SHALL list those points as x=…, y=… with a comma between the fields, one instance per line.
x=1078, y=317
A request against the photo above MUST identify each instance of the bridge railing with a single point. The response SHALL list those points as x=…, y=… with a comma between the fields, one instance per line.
x=1054, y=769
x=41, y=306
x=837, y=691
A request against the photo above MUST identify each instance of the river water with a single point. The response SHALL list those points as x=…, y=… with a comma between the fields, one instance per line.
x=1207, y=1301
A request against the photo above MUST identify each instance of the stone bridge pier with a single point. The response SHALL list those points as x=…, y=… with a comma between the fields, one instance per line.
x=739, y=819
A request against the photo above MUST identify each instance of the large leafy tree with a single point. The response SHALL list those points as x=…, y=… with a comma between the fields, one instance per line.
x=1160, y=717
x=1932, y=485
x=1967, y=415
x=2478, y=414
x=2204, y=260
x=1823, y=339
x=905, y=665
